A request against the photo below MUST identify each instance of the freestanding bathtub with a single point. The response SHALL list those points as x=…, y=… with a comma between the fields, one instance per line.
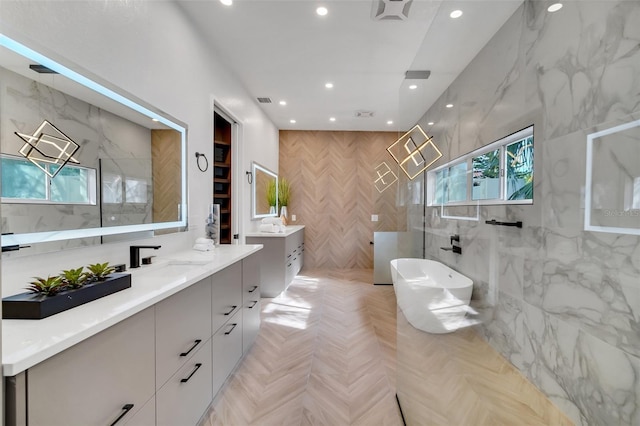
x=433, y=297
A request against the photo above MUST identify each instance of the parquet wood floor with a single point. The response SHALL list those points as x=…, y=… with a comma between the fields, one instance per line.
x=326, y=355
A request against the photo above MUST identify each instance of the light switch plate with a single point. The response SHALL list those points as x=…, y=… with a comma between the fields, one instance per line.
x=374, y=218
x=293, y=218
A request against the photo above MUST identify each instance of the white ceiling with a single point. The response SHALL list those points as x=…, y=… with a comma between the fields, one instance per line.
x=285, y=51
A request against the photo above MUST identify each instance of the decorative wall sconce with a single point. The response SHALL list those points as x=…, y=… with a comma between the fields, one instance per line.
x=384, y=177
x=48, y=145
x=414, y=152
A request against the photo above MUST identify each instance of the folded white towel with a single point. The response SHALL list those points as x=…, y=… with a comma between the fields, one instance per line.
x=272, y=220
x=203, y=247
x=204, y=241
x=268, y=227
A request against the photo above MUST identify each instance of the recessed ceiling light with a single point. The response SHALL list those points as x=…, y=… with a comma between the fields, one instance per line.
x=226, y=2
x=413, y=87
x=390, y=122
x=430, y=123
x=332, y=119
x=292, y=121
x=329, y=85
x=283, y=103
x=155, y=119
x=456, y=14
x=449, y=105
x=322, y=11
x=555, y=7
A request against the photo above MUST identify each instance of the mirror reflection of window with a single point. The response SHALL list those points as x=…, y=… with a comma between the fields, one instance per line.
x=111, y=188
x=135, y=190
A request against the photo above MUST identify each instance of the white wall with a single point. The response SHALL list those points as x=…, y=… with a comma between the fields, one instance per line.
x=149, y=49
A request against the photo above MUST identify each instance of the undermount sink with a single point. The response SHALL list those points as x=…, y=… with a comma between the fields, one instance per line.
x=168, y=269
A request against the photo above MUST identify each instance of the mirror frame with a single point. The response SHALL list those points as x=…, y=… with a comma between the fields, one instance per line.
x=254, y=168
x=94, y=83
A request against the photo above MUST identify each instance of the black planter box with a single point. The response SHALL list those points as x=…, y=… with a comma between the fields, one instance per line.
x=37, y=306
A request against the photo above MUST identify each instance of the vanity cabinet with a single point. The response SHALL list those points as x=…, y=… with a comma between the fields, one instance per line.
x=183, y=325
x=161, y=366
x=281, y=259
x=92, y=383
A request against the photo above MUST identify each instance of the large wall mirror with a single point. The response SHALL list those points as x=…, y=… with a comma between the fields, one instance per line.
x=264, y=192
x=127, y=176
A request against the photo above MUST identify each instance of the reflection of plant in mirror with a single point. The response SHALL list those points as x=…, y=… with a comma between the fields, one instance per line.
x=284, y=192
x=74, y=278
x=272, y=193
x=46, y=286
x=99, y=271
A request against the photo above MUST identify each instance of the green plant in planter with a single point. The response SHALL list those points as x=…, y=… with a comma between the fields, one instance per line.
x=99, y=271
x=74, y=278
x=284, y=192
x=46, y=286
x=272, y=193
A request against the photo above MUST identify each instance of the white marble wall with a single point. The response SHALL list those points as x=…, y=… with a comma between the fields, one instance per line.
x=562, y=304
x=125, y=148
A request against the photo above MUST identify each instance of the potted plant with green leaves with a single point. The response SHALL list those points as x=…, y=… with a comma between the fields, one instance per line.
x=46, y=286
x=272, y=196
x=99, y=271
x=71, y=288
x=74, y=278
x=284, y=192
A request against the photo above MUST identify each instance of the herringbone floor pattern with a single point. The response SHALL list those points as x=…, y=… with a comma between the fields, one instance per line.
x=326, y=355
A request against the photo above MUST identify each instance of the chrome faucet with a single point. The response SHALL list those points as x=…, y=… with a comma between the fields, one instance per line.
x=134, y=254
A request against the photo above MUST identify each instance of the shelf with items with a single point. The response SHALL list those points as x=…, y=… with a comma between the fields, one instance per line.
x=222, y=173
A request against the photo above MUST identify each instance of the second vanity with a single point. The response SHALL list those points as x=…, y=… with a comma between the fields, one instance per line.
x=154, y=354
x=282, y=258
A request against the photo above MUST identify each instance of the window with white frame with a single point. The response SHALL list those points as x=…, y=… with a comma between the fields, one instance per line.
x=24, y=182
x=499, y=173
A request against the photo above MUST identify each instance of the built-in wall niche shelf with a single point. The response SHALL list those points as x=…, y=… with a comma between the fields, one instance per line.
x=222, y=177
x=497, y=223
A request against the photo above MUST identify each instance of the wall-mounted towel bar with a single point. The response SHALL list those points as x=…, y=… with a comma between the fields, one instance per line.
x=495, y=222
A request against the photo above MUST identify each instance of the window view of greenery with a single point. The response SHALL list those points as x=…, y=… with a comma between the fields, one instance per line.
x=501, y=172
x=486, y=176
x=23, y=180
x=519, y=170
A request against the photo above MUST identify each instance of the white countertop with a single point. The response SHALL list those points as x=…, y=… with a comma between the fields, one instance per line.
x=289, y=229
x=26, y=343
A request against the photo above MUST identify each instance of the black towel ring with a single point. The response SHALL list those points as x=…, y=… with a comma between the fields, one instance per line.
x=249, y=177
x=206, y=167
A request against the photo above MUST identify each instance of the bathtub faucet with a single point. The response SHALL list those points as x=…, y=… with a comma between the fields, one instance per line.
x=454, y=247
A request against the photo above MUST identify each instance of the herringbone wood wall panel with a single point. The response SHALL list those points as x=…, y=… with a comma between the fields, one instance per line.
x=332, y=193
x=166, y=162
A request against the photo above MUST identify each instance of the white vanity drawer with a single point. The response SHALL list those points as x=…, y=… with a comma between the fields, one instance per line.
x=226, y=294
x=183, y=323
x=250, y=322
x=227, y=350
x=187, y=394
x=92, y=382
x=251, y=278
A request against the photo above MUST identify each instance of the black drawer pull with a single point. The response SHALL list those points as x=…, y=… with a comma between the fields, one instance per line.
x=233, y=308
x=255, y=287
x=125, y=409
x=195, y=343
x=288, y=265
x=295, y=258
x=288, y=256
x=226, y=333
x=255, y=302
x=198, y=365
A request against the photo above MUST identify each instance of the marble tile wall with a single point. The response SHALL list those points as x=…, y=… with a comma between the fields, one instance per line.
x=561, y=303
x=100, y=134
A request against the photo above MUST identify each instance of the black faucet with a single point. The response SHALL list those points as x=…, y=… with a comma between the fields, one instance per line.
x=134, y=254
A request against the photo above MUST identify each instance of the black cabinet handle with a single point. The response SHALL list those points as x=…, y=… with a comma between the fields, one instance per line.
x=233, y=308
x=288, y=256
x=195, y=343
x=125, y=409
x=255, y=302
x=233, y=326
x=288, y=265
x=255, y=287
x=198, y=365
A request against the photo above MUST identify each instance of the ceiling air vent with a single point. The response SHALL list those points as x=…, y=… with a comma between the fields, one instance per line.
x=364, y=114
x=391, y=10
x=264, y=100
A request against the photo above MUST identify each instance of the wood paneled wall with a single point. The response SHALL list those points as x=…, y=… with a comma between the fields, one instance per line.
x=332, y=193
